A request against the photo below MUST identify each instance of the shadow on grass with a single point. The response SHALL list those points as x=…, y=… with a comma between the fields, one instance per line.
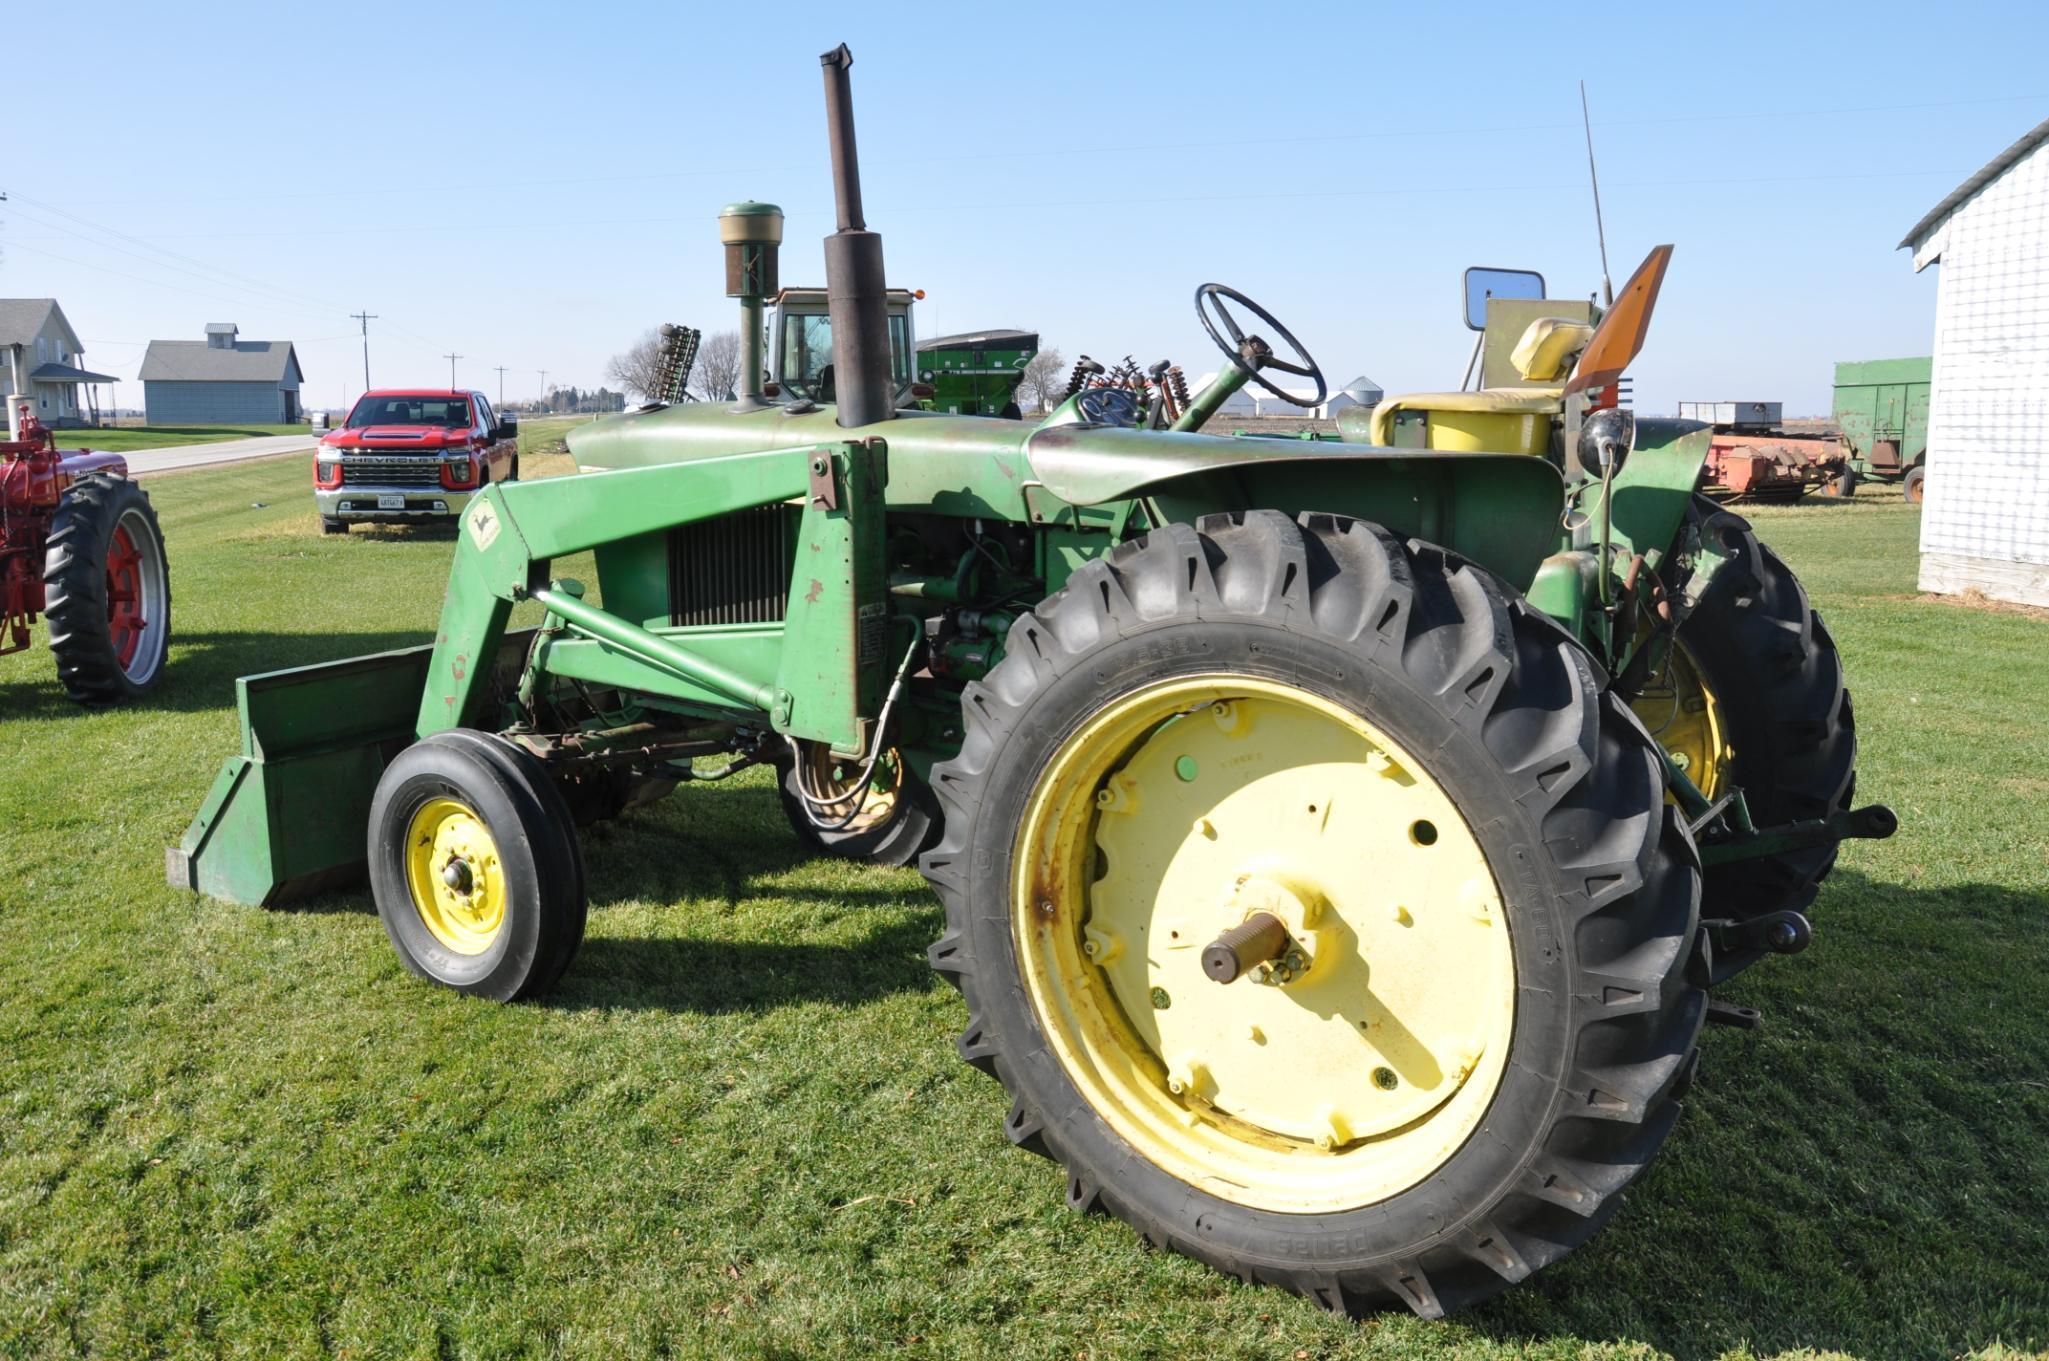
x=718, y=847
x=203, y=668
x=1868, y=1173
x=710, y=976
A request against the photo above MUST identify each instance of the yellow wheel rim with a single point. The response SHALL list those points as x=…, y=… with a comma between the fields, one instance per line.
x=1355, y=1064
x=1683, y=716
x=455, y=877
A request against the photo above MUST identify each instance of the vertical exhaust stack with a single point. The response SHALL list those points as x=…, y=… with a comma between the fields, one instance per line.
x=855, y=294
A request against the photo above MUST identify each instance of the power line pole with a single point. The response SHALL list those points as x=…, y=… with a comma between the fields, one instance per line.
x=366, y=318
x=545, y=403
x=501, y=385
x=451, y=357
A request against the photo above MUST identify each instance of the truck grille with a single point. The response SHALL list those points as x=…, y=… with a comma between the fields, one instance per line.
x=731, y=570
x=391, y=472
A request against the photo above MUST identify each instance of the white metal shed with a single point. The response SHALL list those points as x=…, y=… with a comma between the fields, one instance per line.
x=1985, y=519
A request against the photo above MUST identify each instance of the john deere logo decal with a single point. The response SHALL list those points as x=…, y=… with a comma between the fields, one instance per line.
x=483, y=522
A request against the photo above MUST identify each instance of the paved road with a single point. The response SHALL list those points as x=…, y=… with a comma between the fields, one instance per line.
x=143, y=462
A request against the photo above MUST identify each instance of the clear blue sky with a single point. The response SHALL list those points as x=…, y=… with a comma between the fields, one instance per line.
x=534, y=185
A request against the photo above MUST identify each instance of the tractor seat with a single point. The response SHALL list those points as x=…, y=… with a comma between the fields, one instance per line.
x=1500, y=420
x=1513, y=420
x=1547, y=349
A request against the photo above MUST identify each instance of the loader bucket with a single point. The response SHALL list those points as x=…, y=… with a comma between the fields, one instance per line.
x=290, y=815
x=287, y=817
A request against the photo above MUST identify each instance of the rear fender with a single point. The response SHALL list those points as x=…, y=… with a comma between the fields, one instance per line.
x=1499, y=510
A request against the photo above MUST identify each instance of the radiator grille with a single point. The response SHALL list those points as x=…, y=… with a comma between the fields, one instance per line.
x=391, y=472
x=731, y=570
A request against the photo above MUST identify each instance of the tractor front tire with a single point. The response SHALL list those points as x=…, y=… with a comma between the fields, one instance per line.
x=1775, y=684
x=900, y=819
x=1473, y=1031
x=475, y=867
x=107, y=592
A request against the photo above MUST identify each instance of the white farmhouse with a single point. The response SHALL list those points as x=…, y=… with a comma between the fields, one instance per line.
x=1985, y=519
x=40, y=360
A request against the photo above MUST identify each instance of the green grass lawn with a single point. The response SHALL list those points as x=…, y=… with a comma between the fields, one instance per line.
x=121, y=439
x=739, y=1127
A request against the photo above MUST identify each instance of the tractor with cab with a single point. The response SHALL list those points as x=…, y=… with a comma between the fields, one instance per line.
x=1339, y=840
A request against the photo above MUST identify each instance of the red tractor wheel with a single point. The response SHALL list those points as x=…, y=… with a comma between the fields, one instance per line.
x=107, y=592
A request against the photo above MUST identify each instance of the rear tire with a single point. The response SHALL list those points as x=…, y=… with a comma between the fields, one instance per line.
x=1557, y=786
x=107, y=592
x=330, y=525
x=1911, y=485
x=470, y=813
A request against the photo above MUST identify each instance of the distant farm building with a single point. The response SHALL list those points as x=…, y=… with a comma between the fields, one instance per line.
x=1985, y=519
x=40, y=359
x=222, y=380
x=1254, y=400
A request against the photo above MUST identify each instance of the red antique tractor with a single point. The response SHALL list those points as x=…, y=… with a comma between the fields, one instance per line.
x=80, y=543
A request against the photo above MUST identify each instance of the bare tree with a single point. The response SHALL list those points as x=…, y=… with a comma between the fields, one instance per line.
x=716, y=374
x=638, y=370
x=1043, y=382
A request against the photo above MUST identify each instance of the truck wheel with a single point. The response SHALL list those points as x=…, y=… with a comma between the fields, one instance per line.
x=1910, y=486
x=1393, y=805
x=1753, y=697
x=330, y=525
x=107, y=591
x=897, y=821
x=475, y=867
x=1844, y=485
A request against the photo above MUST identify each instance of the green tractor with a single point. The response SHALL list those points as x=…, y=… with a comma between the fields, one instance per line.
x=1338, y=841
x=972, y=374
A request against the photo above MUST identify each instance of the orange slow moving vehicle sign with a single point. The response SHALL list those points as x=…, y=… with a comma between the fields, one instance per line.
x=1622, y=330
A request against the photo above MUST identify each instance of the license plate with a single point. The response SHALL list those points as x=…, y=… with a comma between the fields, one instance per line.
x=391, y=503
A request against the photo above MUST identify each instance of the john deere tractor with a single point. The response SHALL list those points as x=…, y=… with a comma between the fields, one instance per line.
x=1338, y=841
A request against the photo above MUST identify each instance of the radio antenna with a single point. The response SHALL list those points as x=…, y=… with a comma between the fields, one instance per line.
x=1594, y=178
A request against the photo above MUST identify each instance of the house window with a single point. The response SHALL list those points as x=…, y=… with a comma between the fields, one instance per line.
x=42, y=351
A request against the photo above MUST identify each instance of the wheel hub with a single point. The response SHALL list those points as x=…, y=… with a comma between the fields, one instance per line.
x=1367, y=1020
x=456, y=879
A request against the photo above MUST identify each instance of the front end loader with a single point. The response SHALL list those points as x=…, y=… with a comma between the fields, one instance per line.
x=1338, y=840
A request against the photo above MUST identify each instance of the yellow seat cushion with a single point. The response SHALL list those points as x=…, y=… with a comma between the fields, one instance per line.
x=1546, y=349
x=1497, y=420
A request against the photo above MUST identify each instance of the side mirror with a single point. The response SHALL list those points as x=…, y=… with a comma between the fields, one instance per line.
x=1483, y=283
x=508, y=426
x=1605, y=439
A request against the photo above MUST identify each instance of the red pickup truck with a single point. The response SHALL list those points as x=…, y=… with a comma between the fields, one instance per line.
x=408, y=454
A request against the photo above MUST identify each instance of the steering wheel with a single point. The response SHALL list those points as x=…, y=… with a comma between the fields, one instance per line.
x=1251, y=353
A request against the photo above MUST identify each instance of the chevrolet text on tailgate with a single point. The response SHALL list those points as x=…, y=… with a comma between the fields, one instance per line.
x=412, y=454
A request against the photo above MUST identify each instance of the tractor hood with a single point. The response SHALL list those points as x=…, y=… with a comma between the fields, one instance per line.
x=1500, y=508
x=1080, y=464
